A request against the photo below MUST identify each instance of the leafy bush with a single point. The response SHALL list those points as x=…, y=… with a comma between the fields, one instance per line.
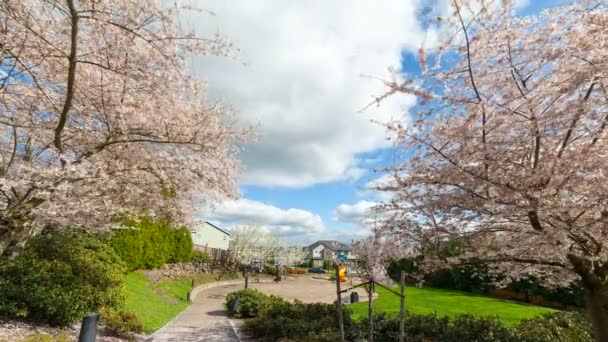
x=182, y=245
x=271, y=270
x=475, y=278
x=300, y=322
x=558, y=326
x=251, y=303
x=146, y=243
x=327, y=264
x=121, y=323
x=61, y=277
x=200, y=257
x=292, y=270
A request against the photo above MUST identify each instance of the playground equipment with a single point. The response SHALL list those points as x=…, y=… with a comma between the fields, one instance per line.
x=341, y=274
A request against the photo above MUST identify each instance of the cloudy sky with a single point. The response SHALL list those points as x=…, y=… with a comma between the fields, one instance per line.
x=302, y=73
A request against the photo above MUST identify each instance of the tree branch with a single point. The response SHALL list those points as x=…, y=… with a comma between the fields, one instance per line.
x=63, y=116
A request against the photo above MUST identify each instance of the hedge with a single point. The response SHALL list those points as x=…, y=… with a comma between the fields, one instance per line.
x=146, y=243
x=61, y=277
x=476, y=279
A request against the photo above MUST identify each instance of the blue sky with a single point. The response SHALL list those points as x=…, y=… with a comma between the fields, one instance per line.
x=300, y=78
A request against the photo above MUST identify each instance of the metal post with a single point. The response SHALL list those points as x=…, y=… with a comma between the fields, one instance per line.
x=402, y=309
x=339, y=293
x=88, y=329
x=370, y=292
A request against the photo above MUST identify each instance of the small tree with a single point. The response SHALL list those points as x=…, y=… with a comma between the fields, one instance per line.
x=507, y=147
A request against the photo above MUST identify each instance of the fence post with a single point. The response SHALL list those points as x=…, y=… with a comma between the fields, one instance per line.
x=402, y=309
x=370, y=292
x=339, y=293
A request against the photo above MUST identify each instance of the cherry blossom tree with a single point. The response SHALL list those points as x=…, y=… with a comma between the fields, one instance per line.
x=506, y=150
x=252, y=242
x=98, y=116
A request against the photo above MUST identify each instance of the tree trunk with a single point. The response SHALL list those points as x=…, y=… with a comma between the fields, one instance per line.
x=14, y=234
x=597, y=307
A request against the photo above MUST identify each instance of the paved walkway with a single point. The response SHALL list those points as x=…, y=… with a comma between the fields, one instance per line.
x=206, y=320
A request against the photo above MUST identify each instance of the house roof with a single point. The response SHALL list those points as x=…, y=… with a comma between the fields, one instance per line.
x=216, y=227
x=332, y=244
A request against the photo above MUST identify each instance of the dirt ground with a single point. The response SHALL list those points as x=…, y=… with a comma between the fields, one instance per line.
x=308, y=289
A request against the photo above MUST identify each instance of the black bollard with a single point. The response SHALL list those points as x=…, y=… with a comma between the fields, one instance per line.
x=88, y=329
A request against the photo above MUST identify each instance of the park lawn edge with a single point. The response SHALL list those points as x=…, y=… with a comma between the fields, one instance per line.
x=450, y=303
x=156, y=304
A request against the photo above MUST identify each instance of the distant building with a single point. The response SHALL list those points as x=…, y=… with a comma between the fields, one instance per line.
x=329, y=250
x=210, y=239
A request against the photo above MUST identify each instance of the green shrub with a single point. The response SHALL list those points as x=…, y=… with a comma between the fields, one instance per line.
x=327, y=264
x=61, y=277
x=251, y=303
x=182, y=245
x=146, y=243
x=271, y=270
x=200, y=257
x=121, y=323
x=300, y=322
x=558, y=326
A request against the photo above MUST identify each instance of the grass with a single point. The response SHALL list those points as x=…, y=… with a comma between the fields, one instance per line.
x=157, y=304
x=450, y=303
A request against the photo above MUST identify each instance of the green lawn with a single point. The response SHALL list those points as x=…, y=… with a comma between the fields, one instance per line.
x=157, y=304
x=449, y=303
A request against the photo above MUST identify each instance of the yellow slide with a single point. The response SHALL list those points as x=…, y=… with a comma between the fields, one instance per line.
x=341, y=274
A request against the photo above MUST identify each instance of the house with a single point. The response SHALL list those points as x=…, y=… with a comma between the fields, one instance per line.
x=329, y=250
x=210, y=239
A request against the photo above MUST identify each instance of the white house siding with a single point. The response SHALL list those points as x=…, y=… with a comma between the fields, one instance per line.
x=207, y=236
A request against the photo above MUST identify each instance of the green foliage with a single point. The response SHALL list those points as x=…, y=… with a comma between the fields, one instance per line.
x=146, y=243
x=559, y=326
x=433, y=328
x=475, y=278
x=270, y=270
x=327, y=265
x=250, y=303
x=182, y=245
x=300, y=322
x=61, y=277
x=121, y=323
x=311, y=263
x=200, y=257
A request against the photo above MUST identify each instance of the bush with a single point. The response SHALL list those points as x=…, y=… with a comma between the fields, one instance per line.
x=300, y=322
x=44, y=338
x=121, y=323
x=251, y=303
x=293, y=270
x=558, y=326
x=182, y=245
x=271, y=270
x=327, y=264
x=200, y=257
x=146, y=243
x=61, y=277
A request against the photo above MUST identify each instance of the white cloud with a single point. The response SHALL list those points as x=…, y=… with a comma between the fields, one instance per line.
x=298, y=79
x=289, y=223
x=353, y=213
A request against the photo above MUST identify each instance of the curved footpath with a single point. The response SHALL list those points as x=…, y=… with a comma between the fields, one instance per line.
x=206, y=320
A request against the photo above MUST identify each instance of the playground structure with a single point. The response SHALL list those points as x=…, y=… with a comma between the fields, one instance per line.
x=341, y=274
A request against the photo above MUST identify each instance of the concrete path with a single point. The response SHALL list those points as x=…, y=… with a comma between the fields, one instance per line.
x=204, y=320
